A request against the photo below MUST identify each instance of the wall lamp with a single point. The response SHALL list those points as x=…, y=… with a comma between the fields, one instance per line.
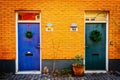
x=49, y=27
x=73, y=27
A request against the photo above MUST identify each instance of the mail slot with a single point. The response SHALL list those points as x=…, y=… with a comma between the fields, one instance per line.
x=28, y=54
x=95, y=54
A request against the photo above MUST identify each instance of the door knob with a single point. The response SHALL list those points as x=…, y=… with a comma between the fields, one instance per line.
x=38, y=47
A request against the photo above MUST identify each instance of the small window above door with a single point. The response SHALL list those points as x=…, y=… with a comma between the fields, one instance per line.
x=96, y=16
x=24, y=16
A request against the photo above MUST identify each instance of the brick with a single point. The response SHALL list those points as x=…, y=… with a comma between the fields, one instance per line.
x=61, y=13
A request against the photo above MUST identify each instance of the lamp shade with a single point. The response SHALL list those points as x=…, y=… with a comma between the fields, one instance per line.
x=49, y=25
x=73, y=25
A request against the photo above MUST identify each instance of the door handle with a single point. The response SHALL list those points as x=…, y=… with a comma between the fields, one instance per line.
x=38, y=46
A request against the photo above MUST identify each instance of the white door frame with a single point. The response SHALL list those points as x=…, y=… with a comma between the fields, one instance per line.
x=97, y=71
x=28, y=21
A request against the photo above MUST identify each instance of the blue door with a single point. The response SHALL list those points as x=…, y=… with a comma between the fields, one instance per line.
x=28, y=47
x=95, y=52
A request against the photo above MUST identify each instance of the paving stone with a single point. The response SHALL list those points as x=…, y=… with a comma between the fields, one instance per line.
x=88, y=76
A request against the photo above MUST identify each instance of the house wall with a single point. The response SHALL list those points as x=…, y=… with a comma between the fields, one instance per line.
x=61, y=43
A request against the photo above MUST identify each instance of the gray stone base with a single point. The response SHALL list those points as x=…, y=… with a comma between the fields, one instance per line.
x=59, y=64
x=114, y=64
x=7, y=66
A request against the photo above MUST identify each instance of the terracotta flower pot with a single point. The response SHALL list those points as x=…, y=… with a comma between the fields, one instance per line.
x=78, y=71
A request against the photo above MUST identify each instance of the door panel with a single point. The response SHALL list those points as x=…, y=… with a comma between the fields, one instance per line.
x=28, y=50
x=95, y=53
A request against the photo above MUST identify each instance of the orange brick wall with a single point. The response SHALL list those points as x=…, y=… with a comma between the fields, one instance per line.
x=61, y=13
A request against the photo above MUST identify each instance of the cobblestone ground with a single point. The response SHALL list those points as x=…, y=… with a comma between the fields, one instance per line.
x=88, y=76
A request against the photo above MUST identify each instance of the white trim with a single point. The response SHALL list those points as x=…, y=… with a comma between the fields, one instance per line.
x=28, y=72
x=97, y=71
x=16, y=42
x=95, y=21
x=84, y=41
x=40, y=45
x=107, y=43
x=26, y=21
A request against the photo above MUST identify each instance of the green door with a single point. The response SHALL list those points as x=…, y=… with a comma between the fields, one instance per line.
x=95, y=51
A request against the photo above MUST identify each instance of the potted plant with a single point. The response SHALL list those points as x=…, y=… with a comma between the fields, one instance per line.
x=78, y=66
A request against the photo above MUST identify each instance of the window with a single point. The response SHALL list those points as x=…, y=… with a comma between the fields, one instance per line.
x=28, y=16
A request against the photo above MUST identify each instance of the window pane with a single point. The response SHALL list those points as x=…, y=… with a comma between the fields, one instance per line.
x=28, y=16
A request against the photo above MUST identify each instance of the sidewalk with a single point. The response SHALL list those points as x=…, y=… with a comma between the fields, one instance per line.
x=88, y=76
